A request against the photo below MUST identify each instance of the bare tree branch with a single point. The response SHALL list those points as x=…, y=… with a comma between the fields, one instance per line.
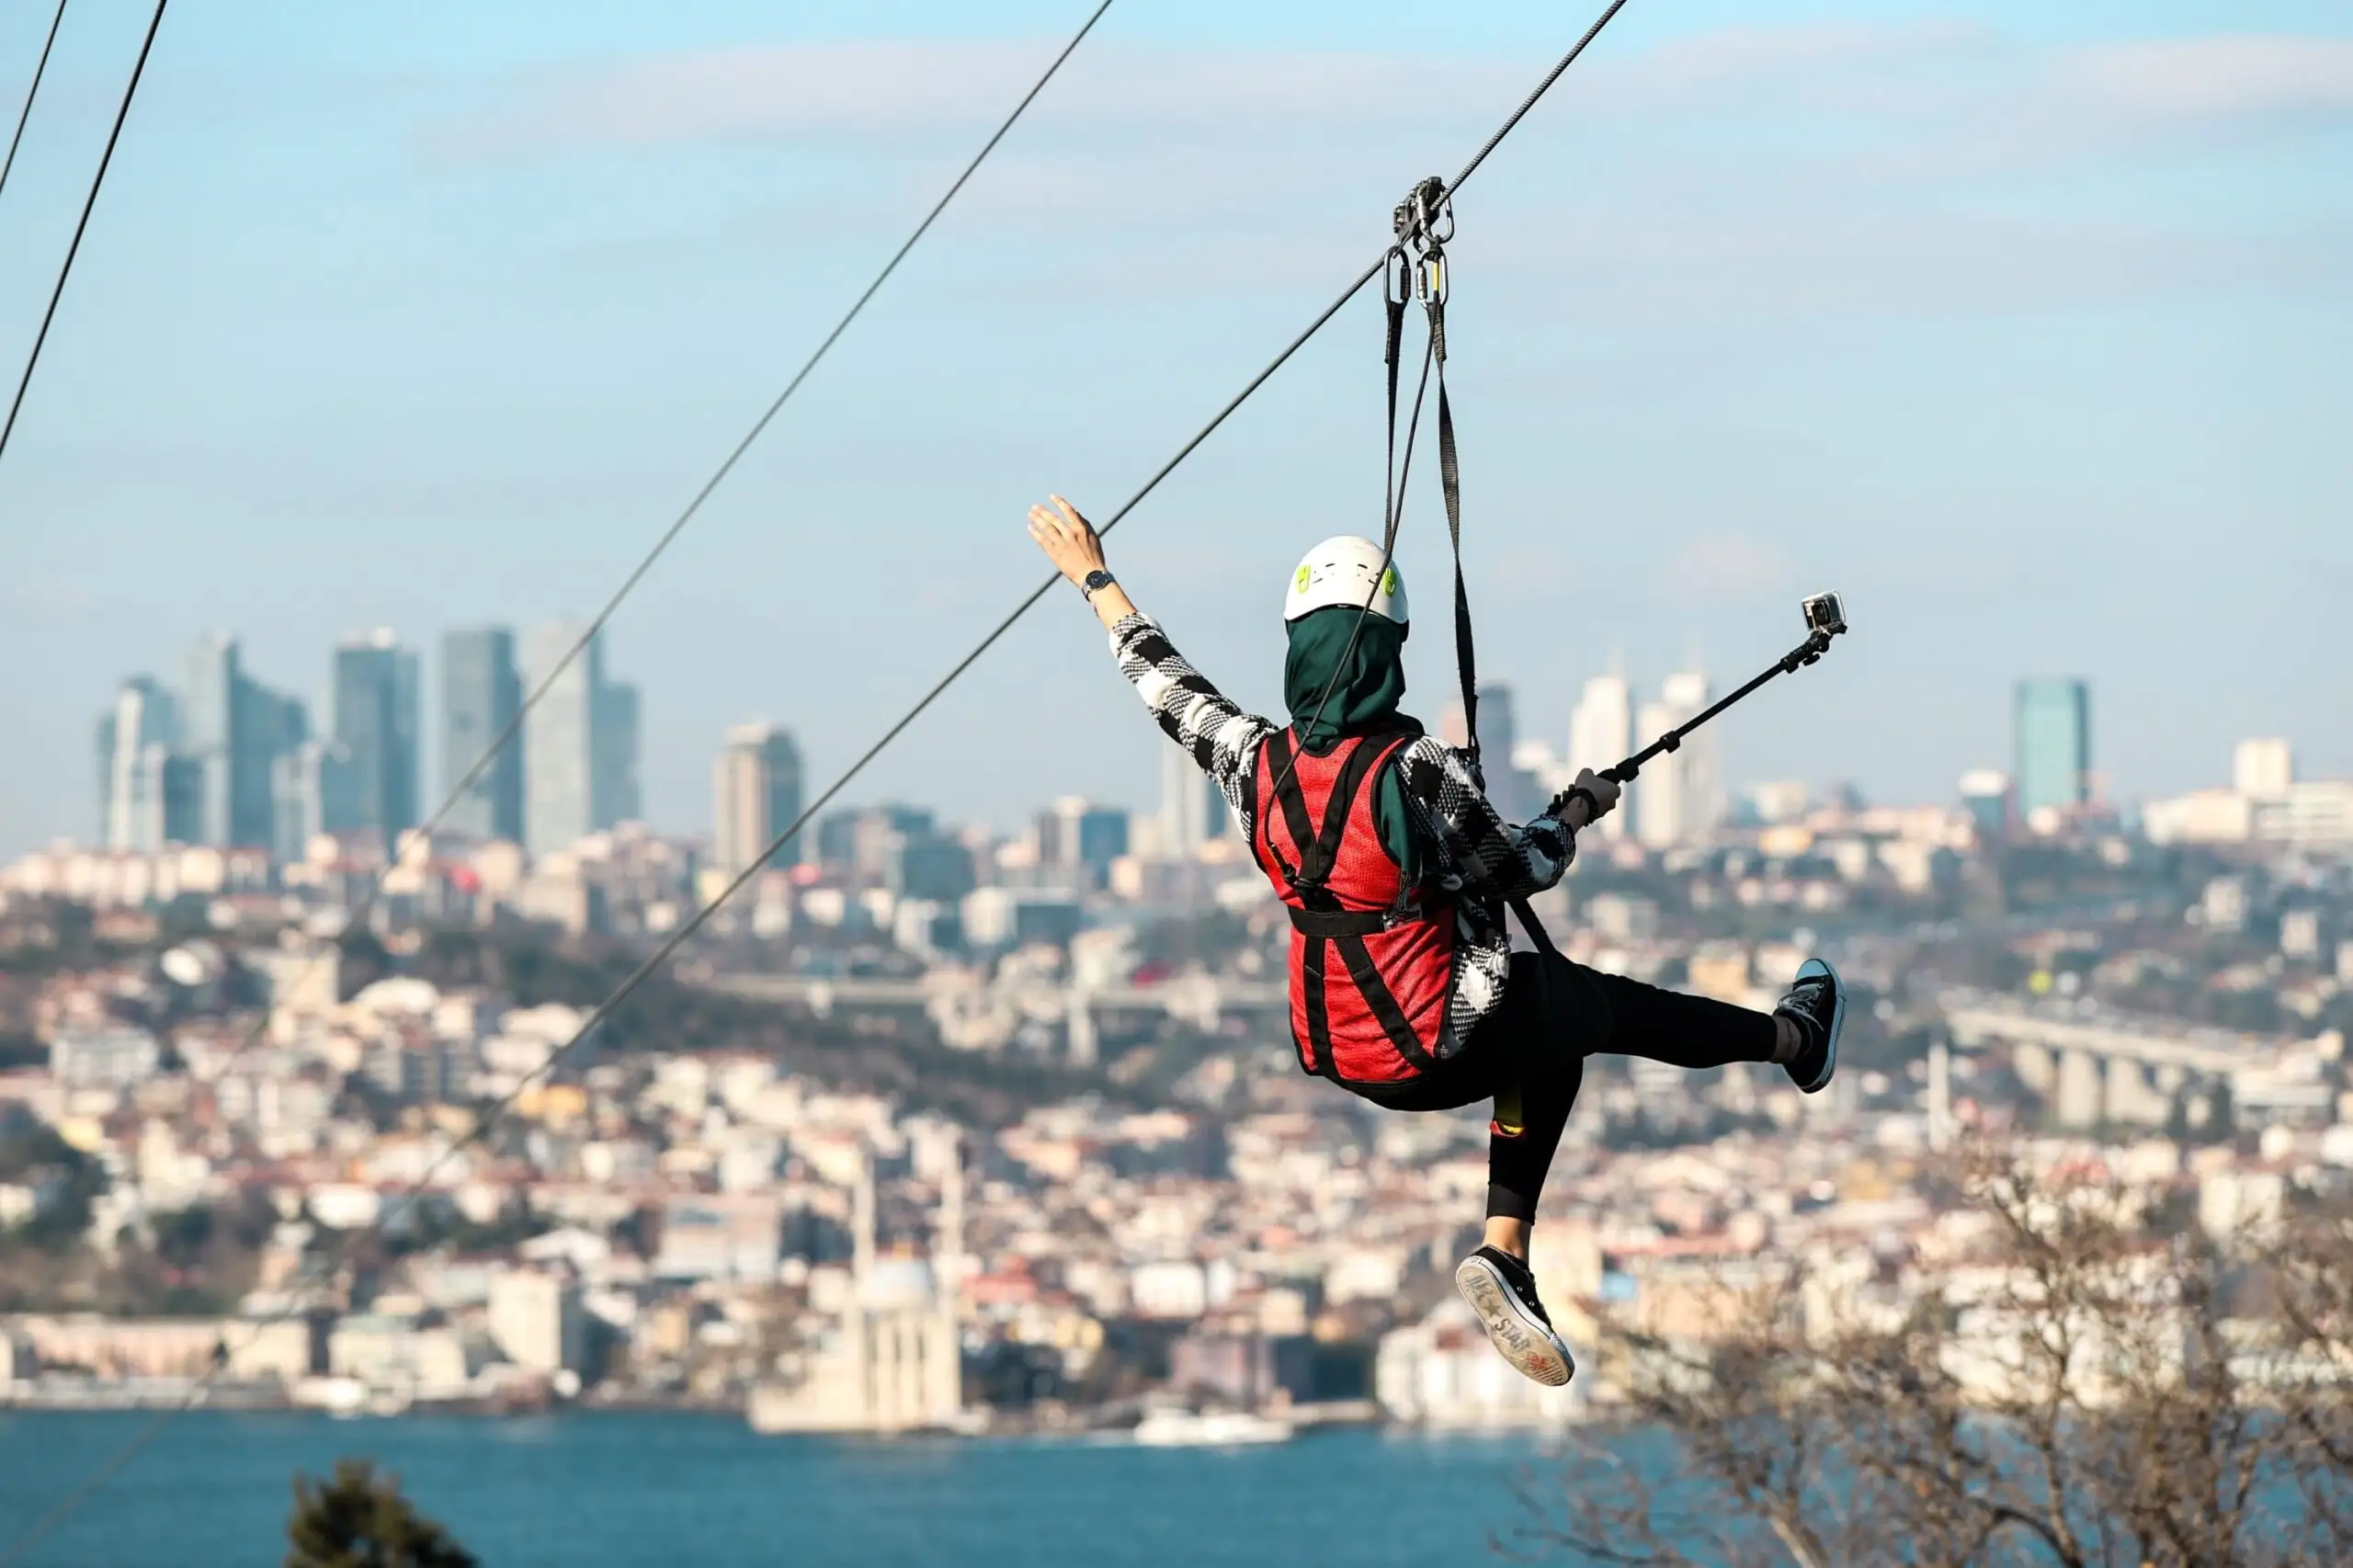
x=2097, y=1385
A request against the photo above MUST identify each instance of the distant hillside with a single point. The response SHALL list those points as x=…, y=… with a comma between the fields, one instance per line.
x=893, y=1052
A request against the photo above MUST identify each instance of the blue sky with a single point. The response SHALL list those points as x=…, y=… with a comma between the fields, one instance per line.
x=2028, y=327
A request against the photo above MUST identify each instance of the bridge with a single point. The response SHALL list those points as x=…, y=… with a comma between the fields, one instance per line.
x=2107, y=1068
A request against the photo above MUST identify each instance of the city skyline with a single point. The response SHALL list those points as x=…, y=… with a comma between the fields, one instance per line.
x=223, y=759
x=151, y=790
x=2135, y=346
x=1029, y=1094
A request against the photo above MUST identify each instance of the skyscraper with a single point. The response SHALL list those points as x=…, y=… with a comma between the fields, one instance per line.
x=1681, y=795
x=136, y=774
x=758, y=788
x=480, y=694
x=197, y=765
x=2262, y=767
x=405, y=781
x=1102, y=838
x=2052, y=735
x=298, y=787
x=1192, y=811
x=272, y=726
x=1986, y=792
x=1514, y=793
x=369, y=780
x=559, y=738
x=1601, y=732
x=614, y=793
x=211, y=724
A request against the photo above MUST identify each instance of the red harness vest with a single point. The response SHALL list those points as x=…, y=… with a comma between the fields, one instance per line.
x=1374, y=1016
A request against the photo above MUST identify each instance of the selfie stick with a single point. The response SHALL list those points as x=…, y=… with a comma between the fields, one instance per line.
x=1825, y=617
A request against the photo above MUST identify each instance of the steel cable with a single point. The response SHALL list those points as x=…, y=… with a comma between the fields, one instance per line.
x=39, y=69
x=695, y=922
x=688, y=929
x=65, y=1508
x=89, y=203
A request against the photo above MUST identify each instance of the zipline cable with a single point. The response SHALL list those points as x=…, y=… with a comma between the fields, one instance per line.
x=32, y=93
x=695, y=922
x=65, y=1508
x=702, y=917
x=12, y=1555
x=89, y=204
x=1393, y=506
x=727, y=465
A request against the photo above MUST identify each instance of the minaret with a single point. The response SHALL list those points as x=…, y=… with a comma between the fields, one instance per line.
x=1939, y=1093
x=944, y=1356
x=1083, y=1039
x=858, y=1322
x=948, y=1269
x=862, y=1222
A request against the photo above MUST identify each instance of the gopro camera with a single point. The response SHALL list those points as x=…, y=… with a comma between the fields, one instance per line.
x=1824, y=614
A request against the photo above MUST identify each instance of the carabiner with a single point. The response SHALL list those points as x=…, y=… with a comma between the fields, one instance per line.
x=1397, y=276
x=1430, y=277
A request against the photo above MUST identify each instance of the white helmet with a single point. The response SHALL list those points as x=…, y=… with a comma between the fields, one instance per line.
x=1340, y=570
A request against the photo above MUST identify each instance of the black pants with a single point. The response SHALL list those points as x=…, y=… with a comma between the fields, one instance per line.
x=1553, y=1015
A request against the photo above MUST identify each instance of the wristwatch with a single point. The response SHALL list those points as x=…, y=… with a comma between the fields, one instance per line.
x=1096, y=581
x=1561, y=802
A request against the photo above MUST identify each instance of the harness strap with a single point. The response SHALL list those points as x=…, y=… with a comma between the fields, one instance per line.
x=1339, y=922
x=1316, y=861
x=1292, y=803
x=1534, y=927
x=1394, y=303
x=1450, y=474
x=1320, y=1057
x=1323, y=925
x=1381, y=1001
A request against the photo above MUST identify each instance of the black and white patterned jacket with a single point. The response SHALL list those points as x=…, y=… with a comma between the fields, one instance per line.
x=1481, y=859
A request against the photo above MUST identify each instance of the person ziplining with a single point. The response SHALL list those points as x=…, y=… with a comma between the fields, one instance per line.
x=1397, y=869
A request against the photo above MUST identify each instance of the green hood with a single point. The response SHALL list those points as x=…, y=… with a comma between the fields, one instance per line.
x=1365, y=696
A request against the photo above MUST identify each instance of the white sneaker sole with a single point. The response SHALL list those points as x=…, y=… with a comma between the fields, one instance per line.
x=1538, y=1352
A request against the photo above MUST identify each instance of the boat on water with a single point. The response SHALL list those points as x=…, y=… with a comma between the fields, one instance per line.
x=1218, y=1429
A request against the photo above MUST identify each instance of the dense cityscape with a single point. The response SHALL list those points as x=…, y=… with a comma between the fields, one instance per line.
x=938, y=1128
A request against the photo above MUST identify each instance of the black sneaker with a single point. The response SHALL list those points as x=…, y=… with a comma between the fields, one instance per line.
x=1817, y=1003
x=1503, y=1293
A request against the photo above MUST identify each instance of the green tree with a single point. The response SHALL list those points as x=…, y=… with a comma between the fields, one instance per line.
x=361, y=1520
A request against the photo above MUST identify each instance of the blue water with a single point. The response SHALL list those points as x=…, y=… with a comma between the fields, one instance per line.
x=621, y=1491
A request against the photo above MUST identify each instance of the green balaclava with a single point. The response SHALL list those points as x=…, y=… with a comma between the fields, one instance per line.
x=1365, y=696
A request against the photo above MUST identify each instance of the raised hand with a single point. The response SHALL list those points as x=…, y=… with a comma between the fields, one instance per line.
x=1068, y=539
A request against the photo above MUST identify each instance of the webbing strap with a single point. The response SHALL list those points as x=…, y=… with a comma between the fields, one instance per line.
x=1292, y=803
x=1316, y=1049
x=1381, y=1001
x=1315, y=863
x=1450, y=474
x=1396, y=311
x=1338, y=922
x=1534, y=927
x=1466, y=651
